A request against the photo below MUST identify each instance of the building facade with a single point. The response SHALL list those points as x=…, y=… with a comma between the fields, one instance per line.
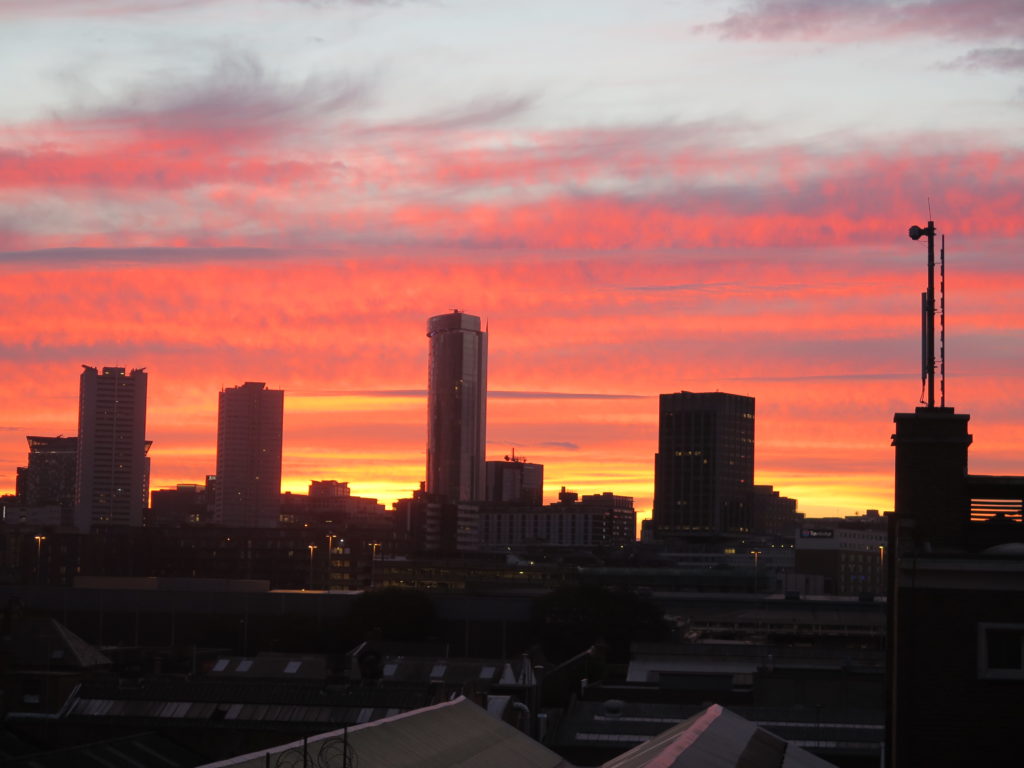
x=847, y=553
x=955, y=565
x=250, y=429
x=595, y=521
x=515, y=480
x=456, y=407
x=773, y=514
x=112, y=468
x=48, y=480
x=704, y=468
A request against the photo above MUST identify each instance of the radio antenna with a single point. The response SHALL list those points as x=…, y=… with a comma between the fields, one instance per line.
x=942, y=323
x=928, y=311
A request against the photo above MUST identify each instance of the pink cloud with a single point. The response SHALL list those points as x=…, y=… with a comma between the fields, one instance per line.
x=854, y=20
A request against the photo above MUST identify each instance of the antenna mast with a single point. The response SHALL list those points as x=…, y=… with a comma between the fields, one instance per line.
x=928, y=315
x=942, y=323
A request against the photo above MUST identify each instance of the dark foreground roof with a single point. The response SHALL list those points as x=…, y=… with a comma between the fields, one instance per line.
x=459, y=733
x=716, y=738
x=455, y=733
x=144, y=750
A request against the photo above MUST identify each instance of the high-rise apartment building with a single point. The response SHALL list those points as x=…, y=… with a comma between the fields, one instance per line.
x=456, y=407
x=704, y=468
x=250, y=430
x=112, y=473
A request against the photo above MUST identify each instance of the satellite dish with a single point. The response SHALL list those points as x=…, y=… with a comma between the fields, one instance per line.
x=915, y=233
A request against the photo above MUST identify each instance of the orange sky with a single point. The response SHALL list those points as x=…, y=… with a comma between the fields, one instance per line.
x=659, y=197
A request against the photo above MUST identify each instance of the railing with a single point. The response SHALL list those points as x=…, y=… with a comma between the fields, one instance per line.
x=997, y=510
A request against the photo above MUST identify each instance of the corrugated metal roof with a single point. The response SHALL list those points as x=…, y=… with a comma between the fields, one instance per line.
x=456, y=734
x=44, y=643
x=716, y=738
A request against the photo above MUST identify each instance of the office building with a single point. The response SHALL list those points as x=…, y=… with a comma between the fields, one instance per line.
x=456, y=407
x=49, y=478
x=773, y=514
x=112, y=473
x=515, y=480
x=847, y=554
x=250, y=428
x=704, y=468
x=600, y=520
x=185, y=504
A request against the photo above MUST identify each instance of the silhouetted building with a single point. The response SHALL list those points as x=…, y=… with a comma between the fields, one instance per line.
x=956, y=598
x=49, y=478
x=112, y=475
x=773, y=514
x=331, y=503
x=456, y=407
x=515, y=480
x=704, y=468
x=595, y=521
x=250, y=428
x=185, y=504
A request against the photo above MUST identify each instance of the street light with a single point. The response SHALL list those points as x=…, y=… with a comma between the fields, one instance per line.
x=312, y=549
x=39, y=557
x=881, y=569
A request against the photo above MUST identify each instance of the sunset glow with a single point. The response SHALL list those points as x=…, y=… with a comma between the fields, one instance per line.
x=637, y=198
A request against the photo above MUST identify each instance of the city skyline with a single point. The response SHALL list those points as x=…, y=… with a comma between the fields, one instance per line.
x=705, y=196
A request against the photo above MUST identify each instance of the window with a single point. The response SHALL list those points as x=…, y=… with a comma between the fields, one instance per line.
x=1001, y=651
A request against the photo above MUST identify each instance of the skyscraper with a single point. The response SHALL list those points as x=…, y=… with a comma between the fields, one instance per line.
x=250, y=429
x=704, y=468
x=112, y=474
x=456, y=407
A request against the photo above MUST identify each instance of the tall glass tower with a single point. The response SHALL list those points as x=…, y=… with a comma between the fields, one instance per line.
x=456, y=407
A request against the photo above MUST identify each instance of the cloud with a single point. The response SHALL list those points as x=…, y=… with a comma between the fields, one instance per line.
x=866, y=20
x=381, y=393
x=1005, y=59
x=491, y=394
x=238, y=100
x=155, y=255
x=72, y=8
x=240, y=158
x=515, y=395
x=94, y=7
x=473, y=114
x=829, y=377
x=565, y=445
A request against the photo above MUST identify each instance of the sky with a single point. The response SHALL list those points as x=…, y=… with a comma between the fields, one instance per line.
x=637, y=196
